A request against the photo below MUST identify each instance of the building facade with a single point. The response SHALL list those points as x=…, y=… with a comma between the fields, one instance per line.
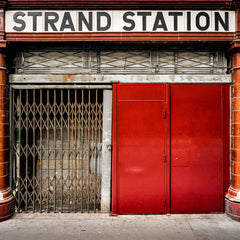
x=120, y=107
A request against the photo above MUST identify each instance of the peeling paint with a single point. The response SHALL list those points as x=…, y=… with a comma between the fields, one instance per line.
x=106, y=153
x=88, y=78
x=1, y=196
x=238, y=196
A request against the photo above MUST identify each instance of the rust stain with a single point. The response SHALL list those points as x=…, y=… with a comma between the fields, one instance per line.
x=68, y=78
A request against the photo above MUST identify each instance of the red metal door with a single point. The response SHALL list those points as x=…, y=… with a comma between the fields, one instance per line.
x=197, y=148
x=140, y=148
x=141, y=182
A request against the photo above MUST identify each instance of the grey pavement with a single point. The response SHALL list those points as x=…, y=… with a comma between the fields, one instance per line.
x=43, y=226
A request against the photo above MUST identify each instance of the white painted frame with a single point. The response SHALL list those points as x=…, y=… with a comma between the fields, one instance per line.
x=85, y=79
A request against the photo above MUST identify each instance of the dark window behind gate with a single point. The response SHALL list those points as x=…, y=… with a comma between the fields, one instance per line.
x=56, y=145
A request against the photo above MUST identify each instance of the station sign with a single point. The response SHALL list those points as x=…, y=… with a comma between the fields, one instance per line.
x=119, y=21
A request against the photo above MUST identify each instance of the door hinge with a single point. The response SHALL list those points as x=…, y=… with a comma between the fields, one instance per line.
x=165, y=114
x=165, y=203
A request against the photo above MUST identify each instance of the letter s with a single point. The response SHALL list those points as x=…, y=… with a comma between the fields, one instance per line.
x=20, y=21
x=130, y=21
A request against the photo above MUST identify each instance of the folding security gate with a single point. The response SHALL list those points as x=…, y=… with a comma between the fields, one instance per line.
x=56, y=146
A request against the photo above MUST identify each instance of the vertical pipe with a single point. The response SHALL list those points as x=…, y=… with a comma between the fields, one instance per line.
x=6, y=197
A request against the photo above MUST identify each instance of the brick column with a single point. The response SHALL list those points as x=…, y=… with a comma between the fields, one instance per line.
x=232, y=202
x=233, y=196
x=6, y=198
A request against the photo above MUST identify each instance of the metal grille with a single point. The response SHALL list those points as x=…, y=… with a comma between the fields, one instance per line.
x=120, y=61
x=124, y=62
x=56, y=142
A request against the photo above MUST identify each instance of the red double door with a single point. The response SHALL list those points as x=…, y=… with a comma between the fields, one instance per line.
x=169, y=148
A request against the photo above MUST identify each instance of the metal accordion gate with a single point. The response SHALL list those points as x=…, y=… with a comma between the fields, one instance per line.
x=56, y=147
